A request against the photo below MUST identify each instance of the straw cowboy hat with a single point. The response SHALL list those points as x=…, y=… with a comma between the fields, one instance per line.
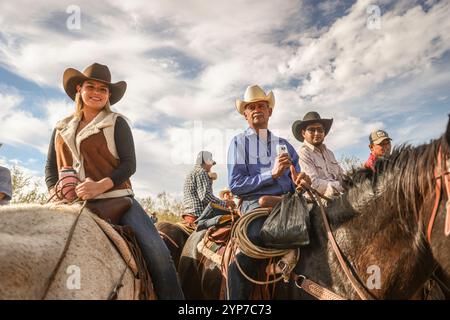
x=225, y=190
x=253, y=94
x=97, y=72
x=310, y=118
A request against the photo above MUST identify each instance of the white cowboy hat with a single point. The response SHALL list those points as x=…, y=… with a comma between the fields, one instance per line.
x=253, y=94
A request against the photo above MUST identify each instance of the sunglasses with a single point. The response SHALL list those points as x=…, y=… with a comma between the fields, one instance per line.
x=318, y=130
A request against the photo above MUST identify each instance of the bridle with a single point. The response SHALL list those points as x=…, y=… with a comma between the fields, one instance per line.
x=442, y=177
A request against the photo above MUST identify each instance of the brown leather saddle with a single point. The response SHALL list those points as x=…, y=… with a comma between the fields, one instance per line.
x=189, y=218
x=219, y=235
x=111, y=209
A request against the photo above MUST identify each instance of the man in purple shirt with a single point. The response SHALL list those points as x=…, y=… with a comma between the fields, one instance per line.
x=259, y=163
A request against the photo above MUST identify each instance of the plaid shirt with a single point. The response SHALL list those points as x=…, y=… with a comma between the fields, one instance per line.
x=198, y=192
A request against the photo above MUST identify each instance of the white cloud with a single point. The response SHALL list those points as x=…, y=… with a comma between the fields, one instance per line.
x=56, y=110
x=349, y=60
x=8, y=101
x=21, y=128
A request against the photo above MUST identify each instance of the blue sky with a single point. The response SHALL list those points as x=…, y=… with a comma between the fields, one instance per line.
x=186, y=62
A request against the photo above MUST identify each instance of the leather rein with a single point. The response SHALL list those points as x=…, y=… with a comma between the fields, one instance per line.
x=313, y=288
x=442, y=177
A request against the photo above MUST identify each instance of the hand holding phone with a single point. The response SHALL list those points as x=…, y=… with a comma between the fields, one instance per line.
x=282, y=162
x=282, y=148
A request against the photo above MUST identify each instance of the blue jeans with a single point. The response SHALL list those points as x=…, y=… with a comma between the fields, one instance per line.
x=249, y=205
x=156, y=255
x=239, y=288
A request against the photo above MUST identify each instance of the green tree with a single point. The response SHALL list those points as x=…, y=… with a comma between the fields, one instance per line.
x=24, y=189
x=350, y=162
x=164, y=202
x=176, y=207
x=148, y=204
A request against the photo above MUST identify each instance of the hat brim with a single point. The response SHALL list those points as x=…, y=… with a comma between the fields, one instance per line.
x=240, y=104
x=299, y=125
x=73, y=77
x=221, y=193
x=380, y=140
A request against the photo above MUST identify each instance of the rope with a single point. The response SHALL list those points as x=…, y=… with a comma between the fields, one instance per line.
x=239, y=234
x=241, y=240
x=59, y=188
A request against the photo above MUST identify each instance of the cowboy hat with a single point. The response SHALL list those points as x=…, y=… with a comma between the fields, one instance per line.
x=225, y=190
x=253, y=94
x=97, y=72
x=309, y=118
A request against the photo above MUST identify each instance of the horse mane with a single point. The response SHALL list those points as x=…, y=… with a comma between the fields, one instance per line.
x=401, y=184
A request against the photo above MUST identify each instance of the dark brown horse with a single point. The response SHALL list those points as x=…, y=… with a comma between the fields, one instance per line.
x=380, y=226
x=174, y=236
x=200, y=278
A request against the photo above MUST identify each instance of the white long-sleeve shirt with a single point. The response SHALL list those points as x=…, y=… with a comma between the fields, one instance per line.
x=320, y=164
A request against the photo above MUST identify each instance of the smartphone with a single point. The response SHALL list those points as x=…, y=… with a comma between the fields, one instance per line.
x=282, y=148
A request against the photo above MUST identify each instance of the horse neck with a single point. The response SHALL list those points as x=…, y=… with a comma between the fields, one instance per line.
x=381, y=237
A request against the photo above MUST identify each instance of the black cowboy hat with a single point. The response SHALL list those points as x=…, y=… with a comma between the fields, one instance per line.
x=97, y=72
x=309, y=118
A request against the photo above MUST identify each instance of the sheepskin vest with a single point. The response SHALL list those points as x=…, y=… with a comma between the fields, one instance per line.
x=92, y=152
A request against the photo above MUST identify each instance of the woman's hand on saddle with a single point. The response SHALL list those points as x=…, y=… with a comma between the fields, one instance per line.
x=300, y=179
x=89, y=188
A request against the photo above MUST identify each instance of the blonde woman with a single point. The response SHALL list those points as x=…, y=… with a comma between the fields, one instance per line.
x=98, y=144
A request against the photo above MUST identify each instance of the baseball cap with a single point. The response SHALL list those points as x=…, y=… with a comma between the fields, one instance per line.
x=378, y=136
x=205, y=157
